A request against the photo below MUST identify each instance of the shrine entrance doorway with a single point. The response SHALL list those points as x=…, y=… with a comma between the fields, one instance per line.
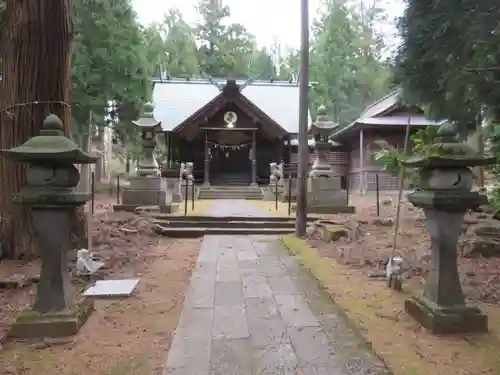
x=230, y=165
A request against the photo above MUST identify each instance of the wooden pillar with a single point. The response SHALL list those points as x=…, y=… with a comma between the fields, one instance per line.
x=281, y=148
x=176, y=152
x=289, y=144
x=206, y=176
x=166, y=136
x=172, y=147
x=254, y=159
x=362, y=177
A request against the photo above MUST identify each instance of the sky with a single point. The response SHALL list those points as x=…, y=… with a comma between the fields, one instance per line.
x=268, y=20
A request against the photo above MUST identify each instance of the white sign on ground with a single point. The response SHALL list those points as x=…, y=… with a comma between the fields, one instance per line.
x=112, y=288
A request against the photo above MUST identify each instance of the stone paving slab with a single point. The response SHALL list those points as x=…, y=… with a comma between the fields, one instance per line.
x=250, y=310
x=230, y=322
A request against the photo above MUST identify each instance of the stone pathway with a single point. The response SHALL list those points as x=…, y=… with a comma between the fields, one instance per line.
x=235, y=207
x=250, y=310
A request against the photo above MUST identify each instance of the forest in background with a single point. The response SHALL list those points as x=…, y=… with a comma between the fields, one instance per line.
x=347, y=68
x=72, y=57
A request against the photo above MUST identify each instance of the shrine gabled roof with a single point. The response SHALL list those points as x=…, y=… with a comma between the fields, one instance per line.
x=175, y=100
x=383, y=113
x=387, y=103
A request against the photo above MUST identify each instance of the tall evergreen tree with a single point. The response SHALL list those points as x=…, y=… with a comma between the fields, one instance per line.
x=288, y=64
x=180, y=46
x=347, y=72
x=226, y=50
x=262, y=65
x=171, y=47
x=154, y=44
x=449, y=58
x=100, y=76
x=36, y=74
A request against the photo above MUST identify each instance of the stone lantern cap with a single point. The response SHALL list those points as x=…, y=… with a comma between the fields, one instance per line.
x=50, y=146
x=323, y=125
x=448, y=152
x=147, y=119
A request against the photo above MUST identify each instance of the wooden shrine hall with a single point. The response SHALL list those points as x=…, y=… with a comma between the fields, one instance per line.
x=231, y=130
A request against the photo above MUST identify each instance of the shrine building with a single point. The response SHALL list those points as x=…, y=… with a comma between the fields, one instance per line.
x=233, y=129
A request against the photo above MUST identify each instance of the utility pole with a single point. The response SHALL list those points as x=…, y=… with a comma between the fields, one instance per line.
x=301, y=210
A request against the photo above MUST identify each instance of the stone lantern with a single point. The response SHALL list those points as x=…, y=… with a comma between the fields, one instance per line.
x=324, y=186
x=148, y=188
x=321, y=129
x=149, y=127
x=51, y=178
x=445, y=195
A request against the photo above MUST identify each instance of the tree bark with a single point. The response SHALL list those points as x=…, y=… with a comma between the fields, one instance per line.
x=36, y=78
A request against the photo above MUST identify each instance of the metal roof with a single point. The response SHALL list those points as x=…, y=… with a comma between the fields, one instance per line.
x=379, y=114
x=415, y=120
x=175, y=100
x=381, y=106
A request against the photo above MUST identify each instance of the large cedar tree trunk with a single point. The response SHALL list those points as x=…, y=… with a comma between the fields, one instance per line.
x=36, y=79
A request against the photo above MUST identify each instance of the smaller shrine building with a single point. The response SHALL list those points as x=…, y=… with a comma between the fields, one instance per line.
x=383, y=121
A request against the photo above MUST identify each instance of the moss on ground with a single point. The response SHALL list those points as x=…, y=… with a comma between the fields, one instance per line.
x=379, y=314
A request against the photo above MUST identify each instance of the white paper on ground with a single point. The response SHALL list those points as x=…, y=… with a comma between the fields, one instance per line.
x=112, y=288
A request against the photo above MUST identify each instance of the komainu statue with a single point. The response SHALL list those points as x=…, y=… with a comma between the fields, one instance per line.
x=186, y=171
x=277, y=173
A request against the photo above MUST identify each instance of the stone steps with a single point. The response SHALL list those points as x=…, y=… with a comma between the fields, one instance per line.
x=196, y=232
x=269, y=219
x=198, y=226
x=245, y=187
x=236, y=183
x=230, y=192
x=227, y=224
x=231, y=179
x=229, y=196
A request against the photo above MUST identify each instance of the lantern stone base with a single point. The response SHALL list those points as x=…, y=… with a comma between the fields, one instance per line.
x=325, y=196
x=269, y=195
x=172, y=175
x=32, y=324
x=147, y=191
x=144, y=197
x=284, y=198
x=270, y=192
x=286, y=189
x=173, y=186
x=439, y=321
x=171, y=209
x=190, y=192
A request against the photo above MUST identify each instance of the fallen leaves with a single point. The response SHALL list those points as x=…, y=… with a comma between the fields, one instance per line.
x=371, y=247
x=126, y=337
